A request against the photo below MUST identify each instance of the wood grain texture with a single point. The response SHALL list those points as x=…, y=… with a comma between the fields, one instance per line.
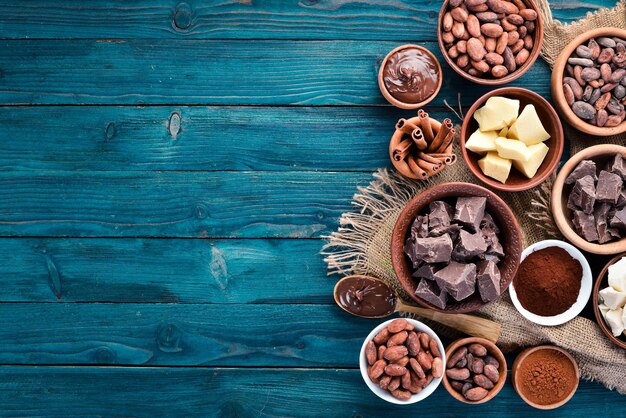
x=233, y=72
x=175, y=204
x=181, y=334
x=107, y=138
x=268, y=19
x=149, y=392
x=163, y=271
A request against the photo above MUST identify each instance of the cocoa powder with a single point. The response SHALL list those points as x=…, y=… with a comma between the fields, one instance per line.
x=548, y=281
x=546, y=377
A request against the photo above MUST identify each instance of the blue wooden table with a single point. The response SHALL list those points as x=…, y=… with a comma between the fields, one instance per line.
x=166, y=172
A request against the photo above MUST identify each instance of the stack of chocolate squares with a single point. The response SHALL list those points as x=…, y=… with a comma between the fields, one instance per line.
x=455, y=251
x=598, y=202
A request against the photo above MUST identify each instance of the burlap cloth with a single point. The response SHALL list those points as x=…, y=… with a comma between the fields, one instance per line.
x=362, y=243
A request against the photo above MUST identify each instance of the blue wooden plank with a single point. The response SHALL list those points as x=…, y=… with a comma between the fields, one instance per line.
x=105, y=138
x=212, y=73
x=175, y=204
x=163, y=270
x=270, y=19
x=302, y=335
x=149, y=392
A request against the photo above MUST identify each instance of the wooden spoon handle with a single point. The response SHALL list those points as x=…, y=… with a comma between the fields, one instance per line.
x=468, y=324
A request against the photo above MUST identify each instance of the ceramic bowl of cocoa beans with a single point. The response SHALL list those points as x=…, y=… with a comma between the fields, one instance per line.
x=589, y=82
x=490, y=42
x=402, y=361
x=475, y=370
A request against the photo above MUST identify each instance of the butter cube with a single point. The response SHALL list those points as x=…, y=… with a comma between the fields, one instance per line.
x=615, y=321
x=537, y=153
x=617, y=275
x=495, y=167
x=612, y=298
x=512, y=149
x=504, y=132
x=481, y=142
x=497, y=113
x=528, y=128
x=603, y=309
x=624, y=319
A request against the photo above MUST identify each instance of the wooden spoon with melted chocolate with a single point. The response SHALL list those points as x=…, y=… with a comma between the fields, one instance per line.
x=369, y=297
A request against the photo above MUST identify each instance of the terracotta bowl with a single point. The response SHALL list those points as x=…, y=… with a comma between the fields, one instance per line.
x=503, y=216
x=550, y=121
x=560, y=191
x=538, y=40
x=557, y=84
x=393, y=100
x=601, y=283
x=493, y=351
x=520, y=359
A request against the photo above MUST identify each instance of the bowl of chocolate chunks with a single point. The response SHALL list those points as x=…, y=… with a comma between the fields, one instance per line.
x=456, y=247
x=589, y=199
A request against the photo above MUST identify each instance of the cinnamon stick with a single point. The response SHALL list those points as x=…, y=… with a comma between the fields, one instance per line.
x=429, y=158
x=418, y=138
x=429, y=168
x=426, y=126
x=421, y=174
x=402, y=150
x=405, y=126
x=445, y=158
x=447, y=141
x=446, y=127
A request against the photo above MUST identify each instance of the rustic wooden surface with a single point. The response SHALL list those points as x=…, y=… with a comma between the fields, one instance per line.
x=167, y=171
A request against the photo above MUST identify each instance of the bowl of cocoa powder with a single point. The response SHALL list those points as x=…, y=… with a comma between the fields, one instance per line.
x=545, y=377
x=553, y=283
x=490, y=42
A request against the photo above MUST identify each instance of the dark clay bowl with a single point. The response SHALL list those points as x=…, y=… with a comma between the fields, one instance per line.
x=601, y=283
x=549, y=119
x=510, y=236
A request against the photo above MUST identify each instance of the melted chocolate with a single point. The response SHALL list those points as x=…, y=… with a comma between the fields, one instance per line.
x=411, y=75
x=365, y=297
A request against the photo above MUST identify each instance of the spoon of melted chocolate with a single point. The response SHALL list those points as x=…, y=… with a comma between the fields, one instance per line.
x=369, y=297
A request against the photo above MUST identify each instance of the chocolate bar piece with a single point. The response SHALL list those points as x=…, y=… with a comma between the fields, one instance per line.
x=458, y=279
x=617, y=166
x=584, y=168
x=621, y=200
x=419, y=228
x=469, y=246
x=409, y=250
x=585, y=225
x=430, y=292
x=605, y=233
x=583, y=195
x=609, y=187
x=489, y=222
x=439, y=218
x=488, y=280
x=427, y=271
x=470, y=211
x=434, y=249
x=618, y=220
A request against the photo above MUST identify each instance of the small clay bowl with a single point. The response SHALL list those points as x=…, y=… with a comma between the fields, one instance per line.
x=392, y=100
x=515, y=377
x=510, y=236
x=517, y=182
x=560, y=192
x=489, y=81
x=493, y=351
x=558, y=73
x=601, y=283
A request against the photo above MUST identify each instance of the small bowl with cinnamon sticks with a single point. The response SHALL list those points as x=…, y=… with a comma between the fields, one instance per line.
x=421, y=147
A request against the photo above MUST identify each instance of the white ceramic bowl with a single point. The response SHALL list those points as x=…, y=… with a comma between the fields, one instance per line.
x=583, y=296
x=383, y=394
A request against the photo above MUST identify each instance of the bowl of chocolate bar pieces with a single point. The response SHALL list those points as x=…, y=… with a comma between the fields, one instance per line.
x=456, y=247
x=589, y=199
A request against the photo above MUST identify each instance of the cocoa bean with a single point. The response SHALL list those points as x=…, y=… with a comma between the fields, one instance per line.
x=497, y=6
x=370, y=352
x=381, y=352
x=461, y=363
x=472, y=3
x=595, y=95
x=463, y=61
x=470, y=361
x=601, y=102
x=619, y=91
x=601, y=117
x=455, y=3
x=403, y=395
x=615, y=120
x=397, y=339
x=528, y=42
x=513, y=37
x=515, y=19
x=434, y=348
x=456, y=385
x=507, y=26
x=476, y=394
x=608, y=87
x=447, y=37
x=499, y=71
x=396, y=352
x=477, y=350
x=569, y=94
x=402, y=362
x=502, y=43
x=406, y=380
x=492, y=30
x=583, y=110
x=619, y=59
x=617, y=75
x=424, y=340
x=447, y=22
x=523, y=31
x=413, y=344
x=456, y=356
x=509, y=60
x=519, y=45
x=437, y=368
x=482, y=381
x=424, y=360
x=585, y=62
x=487, y=17
x=578, y=72
x=377, y=369
x=584, y=52
x=606, y=42
x=480, y=8
x=478, y=366
x=576, y=88
x=614, y=106
x=395, y=370
x=587, y=93
x=528, y=14
x=466, y=386
x=492, y=373
x=419, y=371
x=590, y=73
x=475, y=49
x=511, y=9
x=394, y=383
x=473, y=26
x=491, y=360
x=530, y=26
x=594, y=47
x=384, y=382
x=606, y=55
x=473, y=72
x=569, y=69
x=494, y=59
x=459, y=14
x=382, y=336
x=397, y=325
x=461, y=46
x=490, y=44
x=458, y=374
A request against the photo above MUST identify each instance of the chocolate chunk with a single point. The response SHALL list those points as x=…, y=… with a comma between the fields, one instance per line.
x=489, y=222
x=617, y=166
x=605, y=233
x=430, y=292
x=584, y=168
x=583, y=195
x=488, y=280
x=470, y=211
x=618, y=220
x=491, y=257
x=434, y=249
x=585, y=225
x=458, y=279
x=409, y=250
x=469, y=246
x=439, y=218
x=427, y=271
x=496, y=250
x=419, y=229
x=609, y=187
x=493, y=242
x=621, y=200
